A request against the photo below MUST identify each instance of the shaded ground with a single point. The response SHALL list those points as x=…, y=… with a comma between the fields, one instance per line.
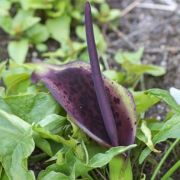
x=3, y=45
x=158, y=32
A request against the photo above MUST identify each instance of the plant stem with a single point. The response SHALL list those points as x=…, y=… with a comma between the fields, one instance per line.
x=120, y=168
x=142, y=83
x=86, y=152
x=164, y=158
x=171, y=170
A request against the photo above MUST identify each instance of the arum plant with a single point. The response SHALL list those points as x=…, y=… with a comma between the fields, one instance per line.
x=103, y=109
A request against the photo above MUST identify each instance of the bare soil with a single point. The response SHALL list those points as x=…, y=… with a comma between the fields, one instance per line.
x=158, y=32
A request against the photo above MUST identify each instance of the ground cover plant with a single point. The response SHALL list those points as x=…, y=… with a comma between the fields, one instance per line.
x=53, y=127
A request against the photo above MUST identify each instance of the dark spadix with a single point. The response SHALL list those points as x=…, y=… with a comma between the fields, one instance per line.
x=102, y=108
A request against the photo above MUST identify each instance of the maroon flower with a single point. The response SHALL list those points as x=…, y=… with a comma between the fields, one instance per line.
x=101, y=108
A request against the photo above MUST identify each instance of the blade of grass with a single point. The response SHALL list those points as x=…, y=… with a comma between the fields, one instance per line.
x=164, y=158
x=171, y=170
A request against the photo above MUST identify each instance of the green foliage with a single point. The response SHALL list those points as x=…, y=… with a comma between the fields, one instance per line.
x=32, y=107
x=134, y=69
x=18, y=50
x=120, y=168
x=115, y=75
x=144, y=101
x=16, y=146
x=56, y=31
x=77, y=167
x=32, y=23
x=166, y=97
x=34, y=115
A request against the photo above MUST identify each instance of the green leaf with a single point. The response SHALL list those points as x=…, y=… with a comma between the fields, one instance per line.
x=22, y=21
x=36, y=4
x=69, y=52
x=32, y=107
x=169, y=129
x=131, y=62
x=120, y=168
x=41, y=47
x=114, y=75
x=104, y=9
x=1, y=169
x=60, y=8
x=114, y=13
x=132, y=57
x=18, y=50
x=5, y=6
x=106, y=14
x=147, y=139
x=53, y=123
x=140, y=69
x=56, y=138
x=55, y=170
x=42, y=144
x=6, y=24
x=4, y=106
x=2, y=66
x=17, y=83
x=55, y=176
x=38, y=33
x=17, y=78
x=2, y=91
x=16, y=146
x=101, y=159
x=98, y=1
x=72, y=163
x=59, y=28
x=76, y=14
x=144, y=101
x=166, y=97
x=3, y=175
